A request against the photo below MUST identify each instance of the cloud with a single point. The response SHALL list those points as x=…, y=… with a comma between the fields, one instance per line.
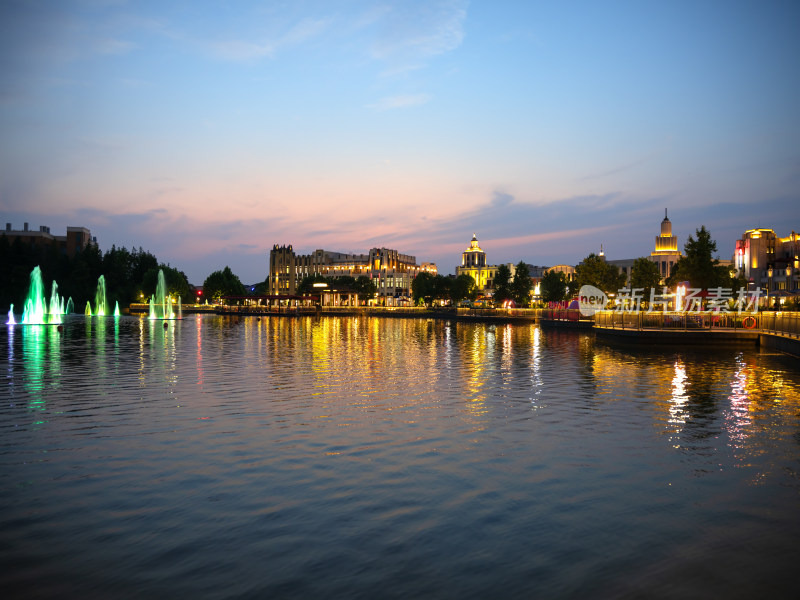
x=421, y=30
x=113, y=46
x=304, y=31
x=616, y=170
x=501, y=199
x=401, y=101
x=245, y=50
x=239, y=50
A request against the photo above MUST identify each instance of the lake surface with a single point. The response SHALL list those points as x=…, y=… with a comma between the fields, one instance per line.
x=344, y=457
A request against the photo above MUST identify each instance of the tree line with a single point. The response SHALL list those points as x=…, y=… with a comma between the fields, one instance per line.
x=130, y=275
x=697, y=266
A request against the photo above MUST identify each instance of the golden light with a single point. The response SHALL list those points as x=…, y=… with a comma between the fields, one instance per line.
x=680, y=292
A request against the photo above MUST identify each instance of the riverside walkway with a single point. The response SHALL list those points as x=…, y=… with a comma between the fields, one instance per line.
x=774, y=330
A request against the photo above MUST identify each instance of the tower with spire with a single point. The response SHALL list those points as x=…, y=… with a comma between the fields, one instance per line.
x=666, y=252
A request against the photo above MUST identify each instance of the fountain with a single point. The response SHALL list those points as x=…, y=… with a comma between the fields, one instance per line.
x=160, y=302
x=56, y=305
x=35, y=310
x=88, y=310
x=70, y=307
x=100, y=309
x=116, y=308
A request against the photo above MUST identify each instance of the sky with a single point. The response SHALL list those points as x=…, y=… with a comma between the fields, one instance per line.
x=206, y=132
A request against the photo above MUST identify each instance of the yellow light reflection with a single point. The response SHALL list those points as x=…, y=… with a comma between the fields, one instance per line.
x=677, y=410
x=738, y=419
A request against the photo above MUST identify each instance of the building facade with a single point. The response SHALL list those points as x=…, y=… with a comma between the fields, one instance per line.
x=391, y=271
x=76, y=239
x=625, y=266
x=473, y=263
x=567, y=270
x=666, y=252
x=768, y=262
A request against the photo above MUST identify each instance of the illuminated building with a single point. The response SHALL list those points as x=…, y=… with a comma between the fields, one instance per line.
x=567, y=270
x=768, y=262
x=666, y=253
x=391, y=271
x=76, y=239
x=473, y=263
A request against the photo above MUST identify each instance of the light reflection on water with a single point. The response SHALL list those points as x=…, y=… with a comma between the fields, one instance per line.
x=364, y=457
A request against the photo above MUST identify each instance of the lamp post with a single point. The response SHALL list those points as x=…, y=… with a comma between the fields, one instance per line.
x=769, y=285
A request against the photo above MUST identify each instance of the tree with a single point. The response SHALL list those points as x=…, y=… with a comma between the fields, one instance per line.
x=176, y=283
x=697, y=265
x=306, y=285
x=365, y=288
x=441, y=287
x=521, y=285
x=463, y=288
x=422, y=288
x=553, y=287
x=572, y=288
x=261, y=288
x=645, y=274
x=502, y=284
x=344, y=282
x=222, y=283
x=594, y=270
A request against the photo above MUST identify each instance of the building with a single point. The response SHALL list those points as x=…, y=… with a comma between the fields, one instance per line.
x=536, y=273
x=391, y=271
x=473, y=263
x=567, y=270
x=75, y=240
x=768, y=262
x=666, y=253
x=625, y=265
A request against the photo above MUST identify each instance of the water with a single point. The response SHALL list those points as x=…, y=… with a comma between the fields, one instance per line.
x=381, y=458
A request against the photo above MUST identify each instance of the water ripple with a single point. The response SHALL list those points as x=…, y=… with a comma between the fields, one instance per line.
x=365, y=457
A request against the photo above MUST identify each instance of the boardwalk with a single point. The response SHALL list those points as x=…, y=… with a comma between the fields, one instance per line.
x=774, y=330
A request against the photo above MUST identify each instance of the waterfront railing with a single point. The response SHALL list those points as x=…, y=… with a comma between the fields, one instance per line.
x=684, y=321
x=785, y=323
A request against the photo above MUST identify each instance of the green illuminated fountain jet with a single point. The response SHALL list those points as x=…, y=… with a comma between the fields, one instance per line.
x=35, y=310
x=161, y=303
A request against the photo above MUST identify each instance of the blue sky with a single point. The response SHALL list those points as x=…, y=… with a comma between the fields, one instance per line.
x=206, y=132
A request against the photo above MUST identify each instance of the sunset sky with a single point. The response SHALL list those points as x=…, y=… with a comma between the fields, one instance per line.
x=206, y=132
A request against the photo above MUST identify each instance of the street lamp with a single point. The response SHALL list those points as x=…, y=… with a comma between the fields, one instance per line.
x=769, y=284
